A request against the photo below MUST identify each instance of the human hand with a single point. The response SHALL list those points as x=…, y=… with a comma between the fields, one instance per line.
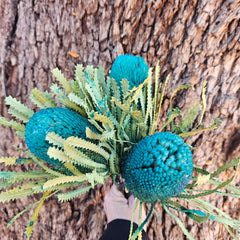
x=117, y=206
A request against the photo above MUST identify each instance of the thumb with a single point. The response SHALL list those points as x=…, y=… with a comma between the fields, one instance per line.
x=131, y=201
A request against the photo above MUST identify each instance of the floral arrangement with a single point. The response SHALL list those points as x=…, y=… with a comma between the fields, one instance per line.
x=97, y=126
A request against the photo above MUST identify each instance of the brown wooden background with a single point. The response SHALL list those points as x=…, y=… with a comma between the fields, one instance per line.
x=194, y=41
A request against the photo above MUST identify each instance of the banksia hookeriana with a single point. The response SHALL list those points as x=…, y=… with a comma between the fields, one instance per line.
x=130, y=67
x=159, y=167
x=62, y=121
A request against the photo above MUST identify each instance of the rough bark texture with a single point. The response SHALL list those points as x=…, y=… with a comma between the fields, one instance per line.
x=194, y=41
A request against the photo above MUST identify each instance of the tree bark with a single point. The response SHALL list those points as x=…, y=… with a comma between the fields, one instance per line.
x=194, y=41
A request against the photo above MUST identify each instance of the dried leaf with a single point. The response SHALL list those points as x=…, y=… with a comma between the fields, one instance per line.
x=73, y=54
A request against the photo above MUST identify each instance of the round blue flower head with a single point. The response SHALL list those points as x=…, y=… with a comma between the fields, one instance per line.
x=59, y=120
x=159, y=167
x=133, y=68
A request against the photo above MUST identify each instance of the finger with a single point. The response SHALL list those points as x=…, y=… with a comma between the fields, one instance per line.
x=116, y=192
x=116, y=196
x=107, y=195
x=131, y=201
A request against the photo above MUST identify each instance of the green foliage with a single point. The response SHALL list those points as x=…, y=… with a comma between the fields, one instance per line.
x=8, y=160
x=55, y=139
x=18, y=110
x=42, y=99
x=35, y=215
x=204, y=101
x=18, y=192
x=122, y=116
x=140, y=228
x=70, y=195
x=65, y=101
x=189, y=117
x=206, y=210
x=62, y=180
x=14, y=177
x=179, y=222
x=62, y=80
x=13, y=124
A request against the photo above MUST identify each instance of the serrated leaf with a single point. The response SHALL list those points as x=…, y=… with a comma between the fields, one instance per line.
x=181, y=87
x=94, y=177
x=40, y=189
x=62, y=180
x=179, y=222
x=115, y=93
x=14, y=177
x=125, y=87
x=158, y=112
x=118, y=103
x=62, y=80
x=17, y=192
x=59, y=154
x=95, y=94
x=81, y=80
x=42, y=99
x=171, y=118
x=79, y=101
x=79, y=157
x=24, y=161
x=5, y=184
x=103, y=119
x=137, y=115
x=92, y=135
x=101, y=78
x=8, y=160
x=72, y=169
x=114, y=163
x=14, y=125
x=35, y=214
x=70, y=195
x=18, y=115
x=233, y=163
x=41, y=164
x=202, y=179
x=55, y=139
x=156, y=92
x=190, y=116
x=149, y=99
x=90, y=72
x=26, y=209
x=204, y=101
x=212, y=210
x=230, y=187
x=191, y=133
x=78, y=142
x=20, y=134
x=63, y=99
x=20, y=109
x=107, y=135
x=135, y=91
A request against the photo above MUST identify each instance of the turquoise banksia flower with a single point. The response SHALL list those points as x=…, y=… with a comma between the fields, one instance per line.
x=59, y=120
x=133, y=68
x=159, y=167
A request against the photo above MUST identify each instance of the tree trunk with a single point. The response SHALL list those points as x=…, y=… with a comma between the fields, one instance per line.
x=194, y=41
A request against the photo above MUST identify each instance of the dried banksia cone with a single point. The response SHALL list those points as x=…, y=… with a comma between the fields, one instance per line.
x=59, y=120
x=159, y=167
x=130, y=67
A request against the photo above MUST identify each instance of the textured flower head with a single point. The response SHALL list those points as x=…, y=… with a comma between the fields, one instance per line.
x=133, y=68
x=59, y=120
x=159, y=167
